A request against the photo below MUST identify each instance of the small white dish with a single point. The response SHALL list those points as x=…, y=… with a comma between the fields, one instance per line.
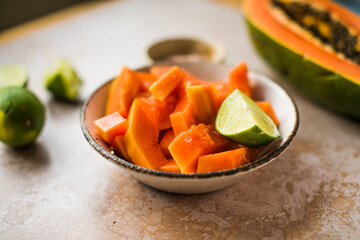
x=263, y=89
x=186, y=49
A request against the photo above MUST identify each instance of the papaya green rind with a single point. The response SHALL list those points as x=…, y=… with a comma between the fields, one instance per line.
x=320, y=84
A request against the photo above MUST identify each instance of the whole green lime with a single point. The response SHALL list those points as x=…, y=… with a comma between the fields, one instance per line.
x=22, y=116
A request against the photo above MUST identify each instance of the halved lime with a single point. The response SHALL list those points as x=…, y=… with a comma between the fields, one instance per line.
x=242, y=121
x=22, y=116
x=13, y=75
x=63, y=82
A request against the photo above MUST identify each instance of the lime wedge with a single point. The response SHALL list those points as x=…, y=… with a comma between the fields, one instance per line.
x=13, y=75
x=242, y=121
x=63, y=82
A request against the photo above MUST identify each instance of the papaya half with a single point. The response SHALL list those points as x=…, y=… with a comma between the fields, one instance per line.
x=314, y=44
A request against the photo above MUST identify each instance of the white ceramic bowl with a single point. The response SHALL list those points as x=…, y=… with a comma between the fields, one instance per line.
x=263, y=89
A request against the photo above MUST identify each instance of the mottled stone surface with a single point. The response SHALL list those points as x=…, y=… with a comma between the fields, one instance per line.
x=60, y=188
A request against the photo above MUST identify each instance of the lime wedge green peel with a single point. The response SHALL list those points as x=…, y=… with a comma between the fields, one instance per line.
x=13, y=75
x=242, y=121
x=63, y=82
x=22, y=116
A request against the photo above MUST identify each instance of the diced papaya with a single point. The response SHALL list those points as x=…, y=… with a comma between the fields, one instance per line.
x=146, y=80
x=159, y=71
x=162, y=87
x=141, y=139
x=222, y=161
x=122, y=92
x=183, y=116
x=110, y=126
x=239, y=79
x=202, y=103
x=268, y=109
x=171, y=166
x=119, y=146
x=165, y=142
x=189, y=145
x=158, y=111
x=218, y=92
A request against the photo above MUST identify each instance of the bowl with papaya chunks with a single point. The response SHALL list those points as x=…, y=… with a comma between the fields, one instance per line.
x=190, y=128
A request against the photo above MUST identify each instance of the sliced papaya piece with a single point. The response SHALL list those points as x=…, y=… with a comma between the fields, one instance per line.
x=141, y=139
x=159, y=71
x=146, y=80
x=122, y=92
x=218, y=92
x=268, y=109
x=165, y=142
x=223, y=160
x=162, y=87
x=316, y=46
x=238, y=79
x=171, y=166
x=110, y=126
x=119, y=147
x=183, y=116
x=189, y=145
x=202, y=103
x=158, y=111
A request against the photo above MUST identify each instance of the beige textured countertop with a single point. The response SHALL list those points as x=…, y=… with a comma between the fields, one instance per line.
x=60, y=188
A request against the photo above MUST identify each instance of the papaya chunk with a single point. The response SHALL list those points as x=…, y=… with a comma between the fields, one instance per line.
x=159, y=71
x=141, y=139
x=122, y=92
x=183, y=116
x=223, y=160
x=119, y=146
x=110, y=126
x=146, y=80
x=239, y=79
x=157, y=111
x=268, y=109
x=162, y=87
x=165, y=142
x=202, y=103
x=189, y=145
x=218, y=92
x=171, y=166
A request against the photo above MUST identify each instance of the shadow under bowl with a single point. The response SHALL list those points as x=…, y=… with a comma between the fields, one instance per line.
x=264, y=89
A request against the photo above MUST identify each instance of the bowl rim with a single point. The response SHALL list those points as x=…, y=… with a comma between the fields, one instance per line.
x=110, y=156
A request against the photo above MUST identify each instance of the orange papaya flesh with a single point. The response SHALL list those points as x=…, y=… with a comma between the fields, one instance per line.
x=141, y=139
x=157, y=111
x=171, y=166
x=312, y=67
x=165, y=142
x=119, y=147
x=189, y=145
x=202, y=103
x=162, y=87
x=110, y=126
x=122, y=92
x=223, y=160
x=159, y=71
x=238, y=79
x=146, y=80
x=183, y=116
x=268, y=109
x=218, y=92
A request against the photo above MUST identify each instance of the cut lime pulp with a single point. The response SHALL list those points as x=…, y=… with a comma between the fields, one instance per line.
x=242, y=121
x=63, y=82
x=13, y=75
